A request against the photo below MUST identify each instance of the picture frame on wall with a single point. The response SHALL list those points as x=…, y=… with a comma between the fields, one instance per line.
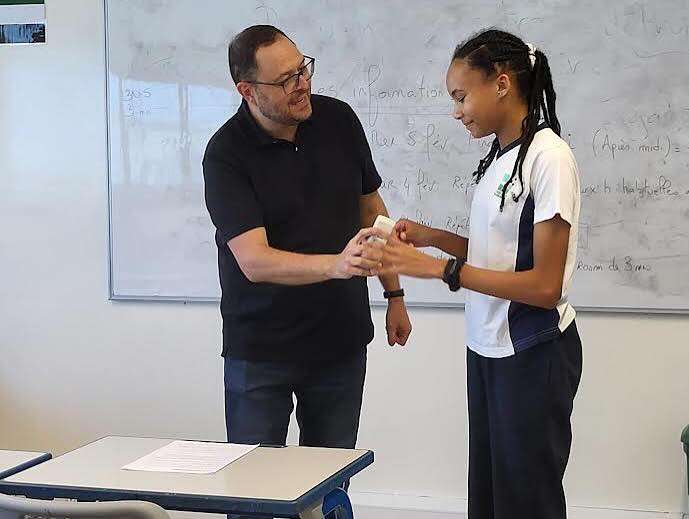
x=22, y=22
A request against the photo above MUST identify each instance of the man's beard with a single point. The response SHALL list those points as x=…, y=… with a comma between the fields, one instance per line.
x=283, y=117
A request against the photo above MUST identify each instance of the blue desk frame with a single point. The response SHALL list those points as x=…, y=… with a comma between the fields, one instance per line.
x=328, y=494
x=39, y=458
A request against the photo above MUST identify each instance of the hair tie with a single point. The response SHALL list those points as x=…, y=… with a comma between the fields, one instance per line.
x=532, y=54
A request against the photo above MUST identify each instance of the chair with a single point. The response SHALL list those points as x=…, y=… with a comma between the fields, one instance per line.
x=14, y=507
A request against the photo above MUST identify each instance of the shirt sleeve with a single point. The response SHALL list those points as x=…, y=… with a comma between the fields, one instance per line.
x=555, y=185
x=230, y=198
x=370, y=179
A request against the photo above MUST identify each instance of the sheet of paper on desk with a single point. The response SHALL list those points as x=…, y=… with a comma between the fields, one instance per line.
x=191, y=457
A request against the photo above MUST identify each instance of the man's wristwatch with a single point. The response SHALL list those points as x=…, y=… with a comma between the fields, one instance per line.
x=451, y=273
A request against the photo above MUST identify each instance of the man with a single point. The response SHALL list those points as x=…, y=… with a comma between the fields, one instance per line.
x=289, y=183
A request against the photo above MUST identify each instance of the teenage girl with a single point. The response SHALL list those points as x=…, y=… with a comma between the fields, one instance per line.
x=524, y=354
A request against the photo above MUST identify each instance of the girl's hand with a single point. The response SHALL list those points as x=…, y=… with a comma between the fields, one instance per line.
x=413, y=233
x=402, y=258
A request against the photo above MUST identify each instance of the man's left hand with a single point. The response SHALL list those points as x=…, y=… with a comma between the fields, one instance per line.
x=397, y=323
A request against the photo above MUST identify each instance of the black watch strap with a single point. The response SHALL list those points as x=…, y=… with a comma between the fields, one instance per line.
x=451, y=273
x=393, y=293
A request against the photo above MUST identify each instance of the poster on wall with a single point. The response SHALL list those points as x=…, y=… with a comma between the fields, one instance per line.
x=22, y=21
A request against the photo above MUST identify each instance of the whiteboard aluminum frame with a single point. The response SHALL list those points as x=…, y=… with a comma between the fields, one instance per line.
x=113, y=296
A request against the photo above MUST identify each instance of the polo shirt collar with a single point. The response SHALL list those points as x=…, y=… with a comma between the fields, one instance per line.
x=518, y=142
x=257, y=134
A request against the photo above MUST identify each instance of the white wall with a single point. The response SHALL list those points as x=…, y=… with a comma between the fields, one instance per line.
x=75, y=366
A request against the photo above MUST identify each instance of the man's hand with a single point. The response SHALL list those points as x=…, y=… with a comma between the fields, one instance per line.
x=397, y=323
x=360, y=257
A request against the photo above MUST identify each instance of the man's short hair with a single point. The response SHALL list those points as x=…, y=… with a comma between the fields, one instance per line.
x=241, y=53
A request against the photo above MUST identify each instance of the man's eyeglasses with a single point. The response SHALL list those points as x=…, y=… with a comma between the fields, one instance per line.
x=291, y=84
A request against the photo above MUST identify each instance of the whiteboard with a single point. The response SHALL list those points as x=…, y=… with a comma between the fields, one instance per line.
x=620, y=72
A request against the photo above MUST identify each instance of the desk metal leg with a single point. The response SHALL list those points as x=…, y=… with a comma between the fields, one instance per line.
x=314, y=513
x=336, y=505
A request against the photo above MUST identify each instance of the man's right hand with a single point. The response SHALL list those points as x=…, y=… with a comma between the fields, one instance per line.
x=360, y=257
x=413, y=233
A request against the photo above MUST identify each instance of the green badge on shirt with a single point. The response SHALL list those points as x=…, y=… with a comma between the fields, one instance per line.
x=505, y=179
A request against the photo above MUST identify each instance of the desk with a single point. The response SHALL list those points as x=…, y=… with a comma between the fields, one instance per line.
x=12, y=462
x=280, y=481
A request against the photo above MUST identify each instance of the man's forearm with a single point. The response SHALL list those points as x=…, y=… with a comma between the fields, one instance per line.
x=271, y=265
x=369, y=213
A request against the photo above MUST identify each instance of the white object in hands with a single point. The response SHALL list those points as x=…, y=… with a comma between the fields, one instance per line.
x=385, y=224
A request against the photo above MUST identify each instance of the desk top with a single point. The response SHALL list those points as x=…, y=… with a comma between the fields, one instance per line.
x=277, y=480
x=12, y=462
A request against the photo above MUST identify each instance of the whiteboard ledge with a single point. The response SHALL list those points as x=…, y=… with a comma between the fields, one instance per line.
x=410, y=304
